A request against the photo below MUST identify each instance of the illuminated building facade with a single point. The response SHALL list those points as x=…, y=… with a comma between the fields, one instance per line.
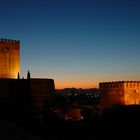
x=121, y=92
x=9, y=58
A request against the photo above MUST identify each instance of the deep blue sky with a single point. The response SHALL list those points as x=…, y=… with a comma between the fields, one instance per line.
x=78, y=43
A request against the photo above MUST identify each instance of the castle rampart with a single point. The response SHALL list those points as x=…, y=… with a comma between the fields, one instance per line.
x=20, y=97
x=119, y=92
x=9, y=41
x=110, y=85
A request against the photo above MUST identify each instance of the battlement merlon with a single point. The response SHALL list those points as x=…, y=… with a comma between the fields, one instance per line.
x=119, y=84
x=9, y=41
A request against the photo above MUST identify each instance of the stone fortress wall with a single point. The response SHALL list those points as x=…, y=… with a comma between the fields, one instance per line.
x=119, y=92
x=9, y=58
x=18, y=93
x=132, y=92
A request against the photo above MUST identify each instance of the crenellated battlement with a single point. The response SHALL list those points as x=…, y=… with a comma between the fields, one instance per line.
x=119, y=92
x=2, y=40
x=119, y=84
x=113, y=84
x=132, y=84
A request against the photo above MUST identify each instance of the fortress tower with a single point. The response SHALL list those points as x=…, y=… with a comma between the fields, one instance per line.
x=20, y=97
x=9, y=58
x=119, y=92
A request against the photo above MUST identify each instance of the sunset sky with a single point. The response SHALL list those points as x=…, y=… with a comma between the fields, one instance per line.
x=78, y=43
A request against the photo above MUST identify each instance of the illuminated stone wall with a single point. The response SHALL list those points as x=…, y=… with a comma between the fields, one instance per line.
x=122, y=92
x=111, y=93
x=132, y=92
x=9, y=58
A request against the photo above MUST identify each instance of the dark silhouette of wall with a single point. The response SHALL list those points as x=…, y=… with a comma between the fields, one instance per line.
x=20, y=99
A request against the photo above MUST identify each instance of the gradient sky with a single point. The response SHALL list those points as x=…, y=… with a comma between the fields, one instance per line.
x=78, y=43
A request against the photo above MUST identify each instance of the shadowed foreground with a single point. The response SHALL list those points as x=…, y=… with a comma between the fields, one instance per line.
x=118, y=122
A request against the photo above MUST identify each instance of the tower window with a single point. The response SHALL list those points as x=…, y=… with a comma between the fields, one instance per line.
x=7, y=48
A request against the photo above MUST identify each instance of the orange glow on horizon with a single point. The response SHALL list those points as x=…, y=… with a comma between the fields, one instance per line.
x=69, y=85
x=84, y=82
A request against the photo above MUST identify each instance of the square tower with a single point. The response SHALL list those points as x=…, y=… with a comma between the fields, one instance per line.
x=9, y=58
x=119, y=93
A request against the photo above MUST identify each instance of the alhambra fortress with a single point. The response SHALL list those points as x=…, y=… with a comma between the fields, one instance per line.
x=120, y=92
x=25, y=92
x=20, y=95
